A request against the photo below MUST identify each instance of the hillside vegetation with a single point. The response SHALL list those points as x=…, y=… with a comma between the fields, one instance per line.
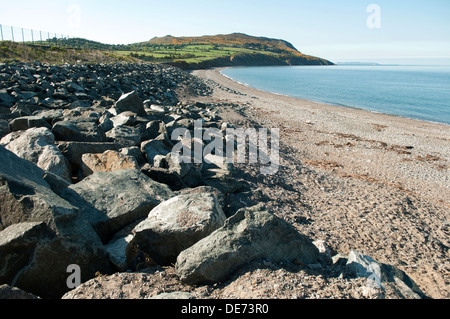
x=235, y=49
x=18, y=52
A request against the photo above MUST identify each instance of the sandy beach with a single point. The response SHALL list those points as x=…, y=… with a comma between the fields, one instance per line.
x=375, y=183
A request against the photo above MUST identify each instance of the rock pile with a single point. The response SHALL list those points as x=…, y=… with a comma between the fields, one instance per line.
x=87, y=178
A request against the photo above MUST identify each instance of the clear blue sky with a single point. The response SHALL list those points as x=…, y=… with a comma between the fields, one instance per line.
x=332, y=29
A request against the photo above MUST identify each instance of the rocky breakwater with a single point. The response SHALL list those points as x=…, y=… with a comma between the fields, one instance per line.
x=89, y=185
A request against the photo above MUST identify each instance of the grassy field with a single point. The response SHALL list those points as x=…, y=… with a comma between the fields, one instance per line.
x=187, y=52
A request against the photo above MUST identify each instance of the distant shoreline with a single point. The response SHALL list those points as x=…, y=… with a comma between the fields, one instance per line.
x=219, y=70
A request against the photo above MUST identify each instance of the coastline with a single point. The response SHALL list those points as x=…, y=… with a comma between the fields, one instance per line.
x=220, y=69
x=425, y=140
x=369, y=181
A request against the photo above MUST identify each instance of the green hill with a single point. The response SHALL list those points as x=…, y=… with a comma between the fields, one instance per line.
x=235, y=49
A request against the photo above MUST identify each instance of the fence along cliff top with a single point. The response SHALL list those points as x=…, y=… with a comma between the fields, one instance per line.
x=29, y=36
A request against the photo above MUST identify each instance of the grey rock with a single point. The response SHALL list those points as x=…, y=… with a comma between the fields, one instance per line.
x=131, y=102
x=204, y=189
x=380, y=275
x=26, y=197
x=105, y=122
x=251, y=234
x=216, y=172
x=6, y=100
x=117, y=250
x=37, y=146
x=121, y=197
x=135, y=152
x=78, y=131
x=125, y=118
x=163, y=175
x=125, y=136
x=73, y=87
x=325, y=254
x=177, y=224
x=155, y=147
x=26, y=122
x=152, y=130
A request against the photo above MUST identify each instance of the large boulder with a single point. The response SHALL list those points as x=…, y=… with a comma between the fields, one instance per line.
x=155, y=147
x=177, y=224
x=26, y=122
x=73, y=151
x=57, y=230
x=37, y=145
x=251, y=234
x=121, y=197
x=163, y=175
x=218, y=173
x=125, y=136
x=131, y=102
x=79, y=131
x=108, y=161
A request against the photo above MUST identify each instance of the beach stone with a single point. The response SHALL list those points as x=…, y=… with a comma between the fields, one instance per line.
x=26, y=122
x=6, y=100
x=105, y=123
x=325, y=253
x=78, y=131
x=152, y=129
x=66, y=238
x=163, y=175
x=73, y=151
x=135, y=152
x=125, y=118
x=216, y=172
x=176, y=224
x=117, y=250
x=125, y=136
x=121, y=197
x=109, y=161
x=37, y=146
x=251, y=234
x=204, y=189
x=155, y=147
x=381, y=275
x=131, y=102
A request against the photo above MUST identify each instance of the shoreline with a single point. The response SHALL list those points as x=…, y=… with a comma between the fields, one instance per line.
x=220, y=69
x=360, y=180
x=415, y=139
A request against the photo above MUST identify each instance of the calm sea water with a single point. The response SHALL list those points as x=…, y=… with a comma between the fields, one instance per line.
x=418, y=92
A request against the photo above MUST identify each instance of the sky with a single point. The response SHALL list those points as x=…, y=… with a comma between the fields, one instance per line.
x=382, y=31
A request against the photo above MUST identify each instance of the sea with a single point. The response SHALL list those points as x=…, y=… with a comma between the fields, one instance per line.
x=411, y=91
